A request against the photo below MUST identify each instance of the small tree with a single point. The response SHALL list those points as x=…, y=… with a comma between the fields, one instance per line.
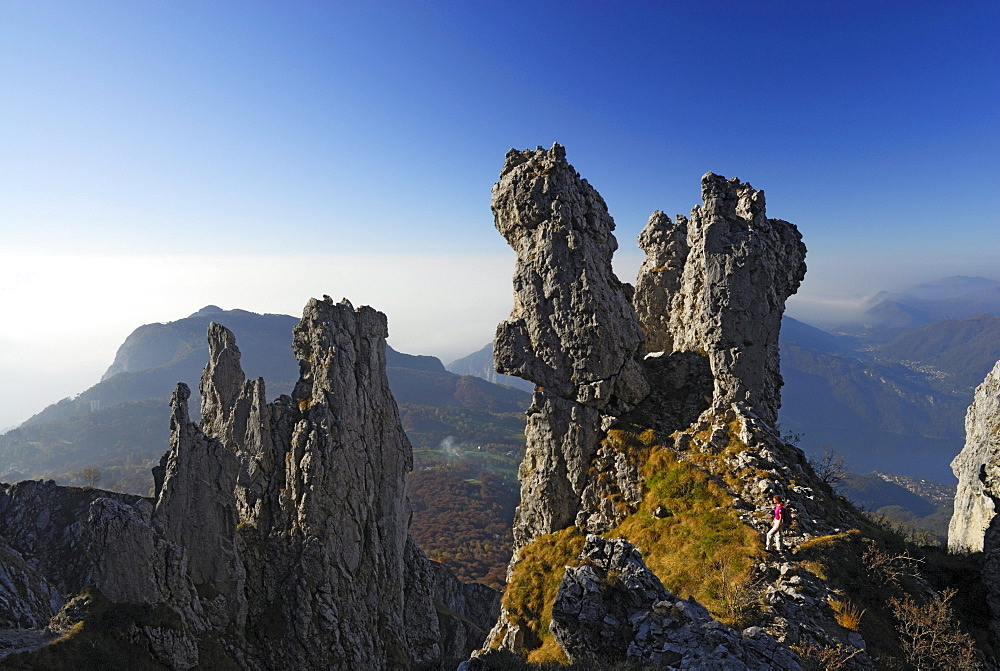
x=830, y=467
x=91, y=476
x=928, y=634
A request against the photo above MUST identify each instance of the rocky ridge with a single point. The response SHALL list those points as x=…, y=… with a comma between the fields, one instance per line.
x=277, y=535
x=690, y=371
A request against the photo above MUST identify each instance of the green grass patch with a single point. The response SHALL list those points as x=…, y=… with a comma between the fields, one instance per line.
x=701, y=549
x=533, y=586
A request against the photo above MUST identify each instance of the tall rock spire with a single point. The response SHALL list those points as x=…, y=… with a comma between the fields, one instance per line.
x=717, y=284
x=572, y=330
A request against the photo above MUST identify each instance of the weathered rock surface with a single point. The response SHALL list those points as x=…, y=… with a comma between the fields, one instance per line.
x=27, y=599
x=973, y=526
x=659, y=281
x=612, y=607
x=709, y=300
x=572, y=330
x=335, y=564
x=717, y=284
x=443, y=618
x=46, y=525
x=277, y=537
x=199, y=477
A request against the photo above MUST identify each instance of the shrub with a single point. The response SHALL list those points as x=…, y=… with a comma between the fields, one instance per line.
x=892, y=567
x=824, y=657
x=928, y=634
x=847, y=614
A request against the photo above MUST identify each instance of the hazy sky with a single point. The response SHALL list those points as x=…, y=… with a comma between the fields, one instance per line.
x=156, y=157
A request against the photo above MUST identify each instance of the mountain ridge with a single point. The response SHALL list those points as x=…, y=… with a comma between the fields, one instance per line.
x=176, y=351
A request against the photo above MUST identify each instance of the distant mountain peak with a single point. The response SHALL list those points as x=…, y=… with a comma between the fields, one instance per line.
x=950, y=287
x=207, y=310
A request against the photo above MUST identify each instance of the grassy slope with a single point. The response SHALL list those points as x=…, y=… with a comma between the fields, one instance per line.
x=701, y=549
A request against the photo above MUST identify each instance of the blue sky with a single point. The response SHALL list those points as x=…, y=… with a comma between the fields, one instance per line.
x=156, y=157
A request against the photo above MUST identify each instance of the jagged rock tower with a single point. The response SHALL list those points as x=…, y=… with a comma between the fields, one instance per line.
x=277, y=537
x=717, y=284
x=692, y=368
x=572, y=330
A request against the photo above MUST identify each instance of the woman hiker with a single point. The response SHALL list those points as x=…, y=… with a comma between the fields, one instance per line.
x=774, y=534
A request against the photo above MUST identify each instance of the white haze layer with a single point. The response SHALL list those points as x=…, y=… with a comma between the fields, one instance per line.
x=64, y=316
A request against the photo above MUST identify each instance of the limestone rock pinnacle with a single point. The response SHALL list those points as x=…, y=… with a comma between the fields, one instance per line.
x=717, y=284
x=572, y=330
x=973, y=526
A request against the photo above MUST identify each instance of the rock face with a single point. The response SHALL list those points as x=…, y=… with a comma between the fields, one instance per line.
x=27, y=598
x=977, y=467
x=278, y=531
x=717, y=284
x=612, y=607
x=975, y=526
x=691, y=369
x=572, y=330
x=659, y=281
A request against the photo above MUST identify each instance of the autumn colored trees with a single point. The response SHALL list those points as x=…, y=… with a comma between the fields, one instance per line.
x=462, y=517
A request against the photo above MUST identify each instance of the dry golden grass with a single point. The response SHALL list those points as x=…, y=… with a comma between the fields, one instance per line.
x=534, y=583
x=847, y=614
x=702, y=550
